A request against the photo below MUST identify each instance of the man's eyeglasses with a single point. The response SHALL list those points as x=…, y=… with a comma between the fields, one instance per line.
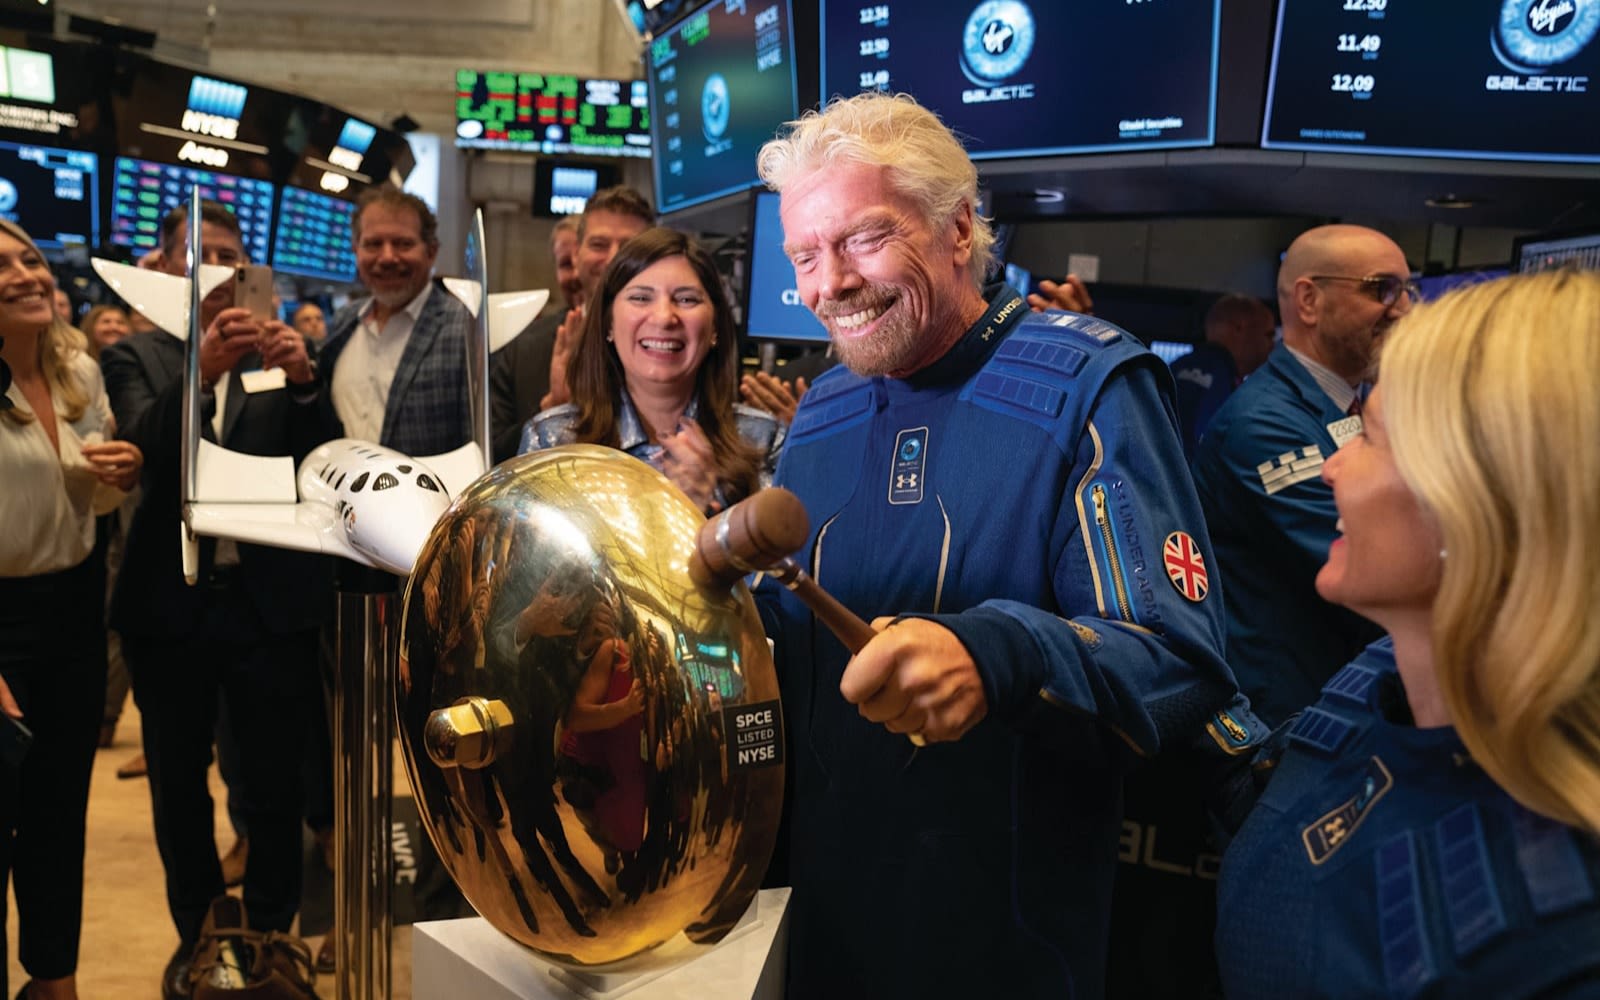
x=1384, y=288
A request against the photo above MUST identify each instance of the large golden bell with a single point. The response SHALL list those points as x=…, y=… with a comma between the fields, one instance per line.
x=594, y=741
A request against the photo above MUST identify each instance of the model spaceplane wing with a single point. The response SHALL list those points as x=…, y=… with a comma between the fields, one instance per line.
x=163, y=298
x=352, y=499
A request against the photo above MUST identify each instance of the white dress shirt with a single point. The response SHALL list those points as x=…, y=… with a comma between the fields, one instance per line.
x=366, y=368
x=1331, y=382
x=50, y=499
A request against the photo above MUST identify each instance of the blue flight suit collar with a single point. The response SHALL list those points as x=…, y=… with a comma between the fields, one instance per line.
x=1006, y=307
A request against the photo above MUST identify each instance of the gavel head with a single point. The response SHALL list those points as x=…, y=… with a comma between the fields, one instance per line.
x=754, y=534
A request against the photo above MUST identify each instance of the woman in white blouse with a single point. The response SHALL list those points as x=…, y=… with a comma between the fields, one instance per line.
x=60, y=470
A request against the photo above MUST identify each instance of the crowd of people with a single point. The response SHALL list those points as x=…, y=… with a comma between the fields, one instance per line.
x=1342, y=576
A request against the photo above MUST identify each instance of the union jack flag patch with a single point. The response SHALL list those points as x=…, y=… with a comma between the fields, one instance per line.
x=1186, y=568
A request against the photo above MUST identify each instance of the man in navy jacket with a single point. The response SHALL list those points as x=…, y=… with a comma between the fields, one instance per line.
x=1258, y=469
x=1003, y=494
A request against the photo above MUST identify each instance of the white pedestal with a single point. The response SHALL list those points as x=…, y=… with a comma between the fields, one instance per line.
x=469, y=958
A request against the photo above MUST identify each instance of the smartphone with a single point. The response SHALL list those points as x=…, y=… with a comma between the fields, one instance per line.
x=252, y=290
x=15, y=738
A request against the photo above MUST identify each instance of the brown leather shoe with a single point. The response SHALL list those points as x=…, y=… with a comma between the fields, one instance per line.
x=234, y=862
x=133, y=767
x=232, y=962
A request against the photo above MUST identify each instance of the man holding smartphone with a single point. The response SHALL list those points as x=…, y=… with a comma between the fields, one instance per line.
x=247, y=632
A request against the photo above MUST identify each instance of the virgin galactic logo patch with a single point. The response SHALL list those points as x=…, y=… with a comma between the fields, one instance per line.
x=908, y=467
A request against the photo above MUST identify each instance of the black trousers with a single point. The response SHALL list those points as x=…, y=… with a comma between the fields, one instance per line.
x=53, y=657
x=268, y=686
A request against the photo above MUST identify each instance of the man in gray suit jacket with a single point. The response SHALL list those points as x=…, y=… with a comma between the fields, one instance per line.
x=396, y=363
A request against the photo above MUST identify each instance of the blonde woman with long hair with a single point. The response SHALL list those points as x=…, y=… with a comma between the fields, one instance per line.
x=1431, y=828
x=60, y=470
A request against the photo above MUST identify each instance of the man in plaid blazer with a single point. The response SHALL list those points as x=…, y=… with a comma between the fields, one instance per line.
x=396, y=363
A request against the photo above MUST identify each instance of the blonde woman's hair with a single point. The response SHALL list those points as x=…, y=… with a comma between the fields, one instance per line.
x=58, y=344
x=925, y=160
x=1494, y=419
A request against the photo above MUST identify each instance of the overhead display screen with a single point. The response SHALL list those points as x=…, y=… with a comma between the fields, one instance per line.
x=1039, y=78
x=52, y=193
x=142, y=193
x=174, y=115
x=721, y=83
x=549, y=113
x=313, y=237
x=773, y=307
x=1501, y=79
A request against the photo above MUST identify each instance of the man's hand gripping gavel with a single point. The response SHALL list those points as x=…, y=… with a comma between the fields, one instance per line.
x=918, y=680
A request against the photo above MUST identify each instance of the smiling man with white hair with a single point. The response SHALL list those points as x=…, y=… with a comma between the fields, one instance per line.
x=1004, y=495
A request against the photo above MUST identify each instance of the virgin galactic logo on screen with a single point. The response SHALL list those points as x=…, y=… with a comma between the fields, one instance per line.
x=1533, y=36
x=995, y=45
x=714, y=111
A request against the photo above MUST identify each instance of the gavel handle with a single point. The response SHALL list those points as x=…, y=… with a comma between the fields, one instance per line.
x=841, y=621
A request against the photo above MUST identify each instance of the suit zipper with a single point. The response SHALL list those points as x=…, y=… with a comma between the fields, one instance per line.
x=1102, y=517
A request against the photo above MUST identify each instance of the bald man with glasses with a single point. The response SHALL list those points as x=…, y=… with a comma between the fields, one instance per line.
x=1258, y=467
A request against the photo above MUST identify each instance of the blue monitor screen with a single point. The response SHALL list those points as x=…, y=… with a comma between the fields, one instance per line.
x=314, y=237
x=52, y=193
x=1019, y=278
x=1038, y=78
x=1170, y=350
x=773, y=307
x=1501, y=79
x=721, y=82
x=144, y=192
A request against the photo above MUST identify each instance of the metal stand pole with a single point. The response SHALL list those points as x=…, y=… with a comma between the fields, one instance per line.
x=363, y=737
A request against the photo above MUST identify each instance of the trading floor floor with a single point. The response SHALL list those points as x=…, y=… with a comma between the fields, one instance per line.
x=127, y=934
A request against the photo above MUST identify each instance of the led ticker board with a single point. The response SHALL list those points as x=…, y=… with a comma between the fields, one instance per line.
x=722, y=81
x=1037, y=78
x=52, y=193
x=1498, y=79
x=144, y=192
x=552, y=114
x=313, y=236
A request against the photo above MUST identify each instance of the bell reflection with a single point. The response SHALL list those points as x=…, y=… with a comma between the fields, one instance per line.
x=564, y=701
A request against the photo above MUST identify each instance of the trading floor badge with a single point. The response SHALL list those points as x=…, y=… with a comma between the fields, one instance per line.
x=1186, y=568
x=907, y=468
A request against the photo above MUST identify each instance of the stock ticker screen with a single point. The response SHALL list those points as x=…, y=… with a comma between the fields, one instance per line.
x=552, y=114
x=52, y=193
x=721, y=83
x=1501, y=79
x=143, y=192
x=1040, y=78
x=313, y=237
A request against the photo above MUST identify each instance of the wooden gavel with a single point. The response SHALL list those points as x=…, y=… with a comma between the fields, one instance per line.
x=758, y=535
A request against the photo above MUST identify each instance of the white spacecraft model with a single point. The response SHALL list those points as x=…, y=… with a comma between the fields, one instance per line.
x=353, y=499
